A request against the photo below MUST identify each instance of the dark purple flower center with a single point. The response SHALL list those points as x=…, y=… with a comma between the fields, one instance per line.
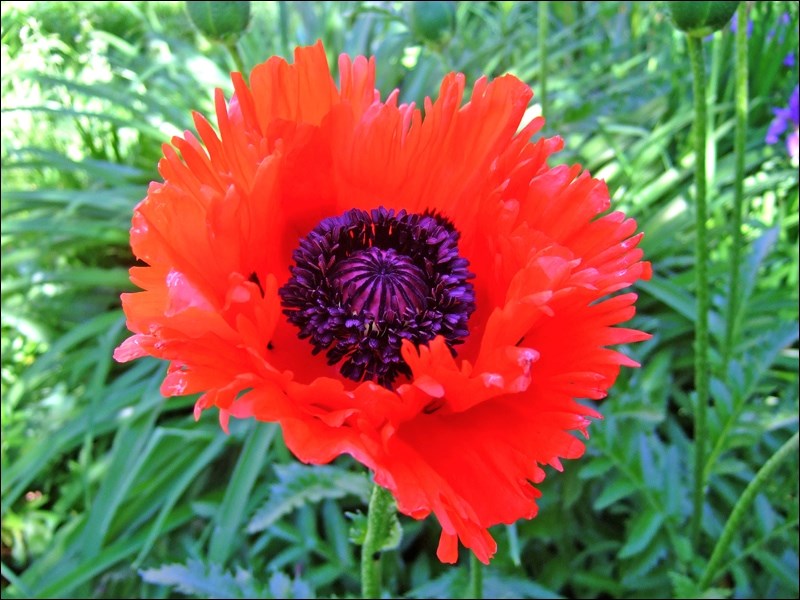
x=363, y=282
x=377, y=281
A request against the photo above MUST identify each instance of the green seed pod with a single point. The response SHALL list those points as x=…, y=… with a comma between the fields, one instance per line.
x=432, y=21
x=220, y=21
x=701, y=18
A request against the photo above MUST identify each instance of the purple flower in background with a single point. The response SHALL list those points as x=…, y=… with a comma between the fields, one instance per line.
x=789, y=60
x=787, y=119
x=735, y=26
x=786, y=19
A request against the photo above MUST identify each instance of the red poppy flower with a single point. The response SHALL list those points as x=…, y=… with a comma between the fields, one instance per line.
x=417, y=289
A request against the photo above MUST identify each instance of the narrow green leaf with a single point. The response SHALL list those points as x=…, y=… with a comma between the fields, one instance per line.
x=673, y=296
x=595, y=467
x=619, y=488
x=231, y=512
x=50, y=585
x=282, y=586
x=643, y=529
x=128, y=454
x=125, y=390
x=176, y=490
x=508, y=586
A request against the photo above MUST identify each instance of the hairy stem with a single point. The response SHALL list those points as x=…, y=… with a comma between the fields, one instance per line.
x=381, y=508
x=701, y=366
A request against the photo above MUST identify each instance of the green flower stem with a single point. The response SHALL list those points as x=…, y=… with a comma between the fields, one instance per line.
x=738, y=199
x=233, y=48
x=544, y=17
x=475, y=578
x=701, y=279
x=742, y=508
x=712, y=82
x=381, y=509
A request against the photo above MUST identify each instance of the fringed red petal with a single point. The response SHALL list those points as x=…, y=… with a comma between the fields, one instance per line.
x=466, y=436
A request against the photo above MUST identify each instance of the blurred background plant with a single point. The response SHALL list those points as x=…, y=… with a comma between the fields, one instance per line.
x=109, y=490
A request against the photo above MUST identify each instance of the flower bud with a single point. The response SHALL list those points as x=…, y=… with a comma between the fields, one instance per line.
x=432, y=21
x=219, y=21
x=701, y=18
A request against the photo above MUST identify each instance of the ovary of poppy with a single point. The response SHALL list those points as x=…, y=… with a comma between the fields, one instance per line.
x=455, y=294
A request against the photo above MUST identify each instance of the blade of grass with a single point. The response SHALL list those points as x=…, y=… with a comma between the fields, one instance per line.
x=131, y=447
x=231, y=514
x=180, y=485
x=37, y=456
x=82, y=571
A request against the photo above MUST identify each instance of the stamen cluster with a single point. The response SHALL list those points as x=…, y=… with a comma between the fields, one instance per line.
x=364, y=281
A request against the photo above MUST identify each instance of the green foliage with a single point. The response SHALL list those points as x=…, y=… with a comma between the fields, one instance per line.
x=197, y=579
x=432, y=21
x=109, y=490
x=685, y=587
x=298, y=484
x=390, y=537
